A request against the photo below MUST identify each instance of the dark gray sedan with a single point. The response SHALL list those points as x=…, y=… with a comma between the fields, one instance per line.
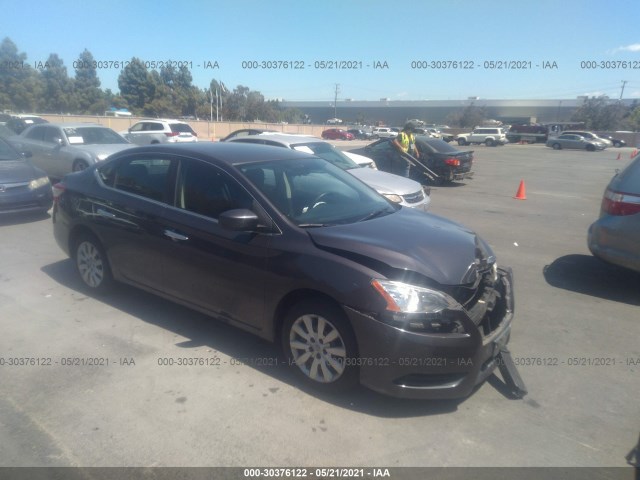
x=569, y=140
x=292, y=248
x=61, y=148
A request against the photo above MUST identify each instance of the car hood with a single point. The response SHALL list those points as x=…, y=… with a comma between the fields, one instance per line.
x=384, y=182
x=406, y=240
x=16, y=171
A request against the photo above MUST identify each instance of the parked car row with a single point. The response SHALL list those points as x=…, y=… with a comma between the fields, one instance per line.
x=17, y=123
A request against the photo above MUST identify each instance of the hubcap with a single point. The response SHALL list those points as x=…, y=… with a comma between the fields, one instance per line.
x=90, y=264
x=317, y=348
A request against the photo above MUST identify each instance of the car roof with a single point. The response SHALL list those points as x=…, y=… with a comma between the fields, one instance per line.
x=233, y=153
x=69, y=125
x=160, y=120
x=284, y=138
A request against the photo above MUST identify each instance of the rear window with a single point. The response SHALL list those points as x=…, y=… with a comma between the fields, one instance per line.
x=181, y=128
x=437, y=145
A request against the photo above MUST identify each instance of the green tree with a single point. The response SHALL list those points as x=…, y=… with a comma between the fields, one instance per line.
x=469, y=117
x=600, y=113
x=88, y=94
x=137, y=85
x=20, y=85
x=58, y=88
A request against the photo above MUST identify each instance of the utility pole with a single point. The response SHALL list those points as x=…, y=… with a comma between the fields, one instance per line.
x=335, y=101
x=624, y=82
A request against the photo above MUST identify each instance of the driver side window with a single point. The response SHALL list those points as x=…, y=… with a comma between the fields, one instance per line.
x=207, y=190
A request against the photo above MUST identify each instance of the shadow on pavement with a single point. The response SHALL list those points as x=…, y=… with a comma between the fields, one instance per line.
x=588, y=275
x=204, y=331
x=20, y=218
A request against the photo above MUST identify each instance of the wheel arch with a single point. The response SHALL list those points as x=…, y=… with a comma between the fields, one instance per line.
x=77, y=232
x=294, y=297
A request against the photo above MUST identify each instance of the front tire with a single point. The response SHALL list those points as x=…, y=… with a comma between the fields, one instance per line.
x=92, y=264
x=462, y=142
x=556, y=146
x=489, y=143
x=319, y=343
x=591, y=148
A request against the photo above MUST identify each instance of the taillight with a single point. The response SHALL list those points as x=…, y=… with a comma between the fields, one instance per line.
x=171, y=134
x=615, y=203
x=58, y=189
x=454, y=162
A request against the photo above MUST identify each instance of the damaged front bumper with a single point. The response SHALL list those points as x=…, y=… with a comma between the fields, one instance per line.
x=409, y=364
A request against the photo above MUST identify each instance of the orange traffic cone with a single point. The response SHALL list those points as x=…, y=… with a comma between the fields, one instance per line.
x=522, y=193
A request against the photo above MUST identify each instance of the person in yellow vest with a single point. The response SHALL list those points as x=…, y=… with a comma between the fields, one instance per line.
x=405, y=142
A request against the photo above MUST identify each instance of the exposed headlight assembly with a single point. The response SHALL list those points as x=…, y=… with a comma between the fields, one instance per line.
x=420, y=309
x=406, y=298
x=394, y=198
x=38, y=182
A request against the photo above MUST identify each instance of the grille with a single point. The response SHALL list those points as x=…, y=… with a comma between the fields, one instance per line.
x=413, y=197
x=14, y=187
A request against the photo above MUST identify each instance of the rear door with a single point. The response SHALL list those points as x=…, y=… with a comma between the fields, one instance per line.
x=127, y=216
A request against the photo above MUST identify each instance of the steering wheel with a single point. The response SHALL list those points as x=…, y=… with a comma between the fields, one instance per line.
x=323, y=199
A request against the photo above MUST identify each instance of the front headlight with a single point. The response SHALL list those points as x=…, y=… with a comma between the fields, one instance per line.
x=102, y=156
x=405, y=298
x=38, y=182
x=393, y=197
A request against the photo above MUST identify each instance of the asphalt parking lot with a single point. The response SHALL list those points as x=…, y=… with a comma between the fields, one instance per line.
x=101, y=384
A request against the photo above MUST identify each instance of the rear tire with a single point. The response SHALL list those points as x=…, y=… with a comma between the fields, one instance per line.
x=591, y=148
x=320, y=345
x=462, y=142
x=92, y=264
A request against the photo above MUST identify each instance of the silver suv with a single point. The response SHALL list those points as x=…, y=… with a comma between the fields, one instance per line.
x=148, y=132
x=404, y=191
x=489, y=136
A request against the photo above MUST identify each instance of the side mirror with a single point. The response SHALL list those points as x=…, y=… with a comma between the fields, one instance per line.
x=27, y=154
x=239, y=220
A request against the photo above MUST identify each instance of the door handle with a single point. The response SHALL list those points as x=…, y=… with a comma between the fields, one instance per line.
x=104, y=213
x=175, y=236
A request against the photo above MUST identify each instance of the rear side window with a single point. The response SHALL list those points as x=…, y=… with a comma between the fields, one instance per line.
x=147, y=177
x=181, y=128
x=36, y=133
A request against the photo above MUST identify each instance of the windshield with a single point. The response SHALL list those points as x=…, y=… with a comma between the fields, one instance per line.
x=313, y=193
x=92, y=136
x=7, y=152
x=328, y=152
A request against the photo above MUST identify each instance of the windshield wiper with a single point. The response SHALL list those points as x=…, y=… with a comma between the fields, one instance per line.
x=314, y=225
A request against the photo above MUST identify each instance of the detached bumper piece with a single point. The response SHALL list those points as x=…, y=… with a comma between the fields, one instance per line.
x=510, y=373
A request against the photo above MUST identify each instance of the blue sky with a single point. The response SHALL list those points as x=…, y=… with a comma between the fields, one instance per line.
x=535, y=33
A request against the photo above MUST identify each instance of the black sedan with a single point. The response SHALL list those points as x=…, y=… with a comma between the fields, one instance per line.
x=287, y=246
x=449, y=163
x=23, y=187
x=616, y=142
